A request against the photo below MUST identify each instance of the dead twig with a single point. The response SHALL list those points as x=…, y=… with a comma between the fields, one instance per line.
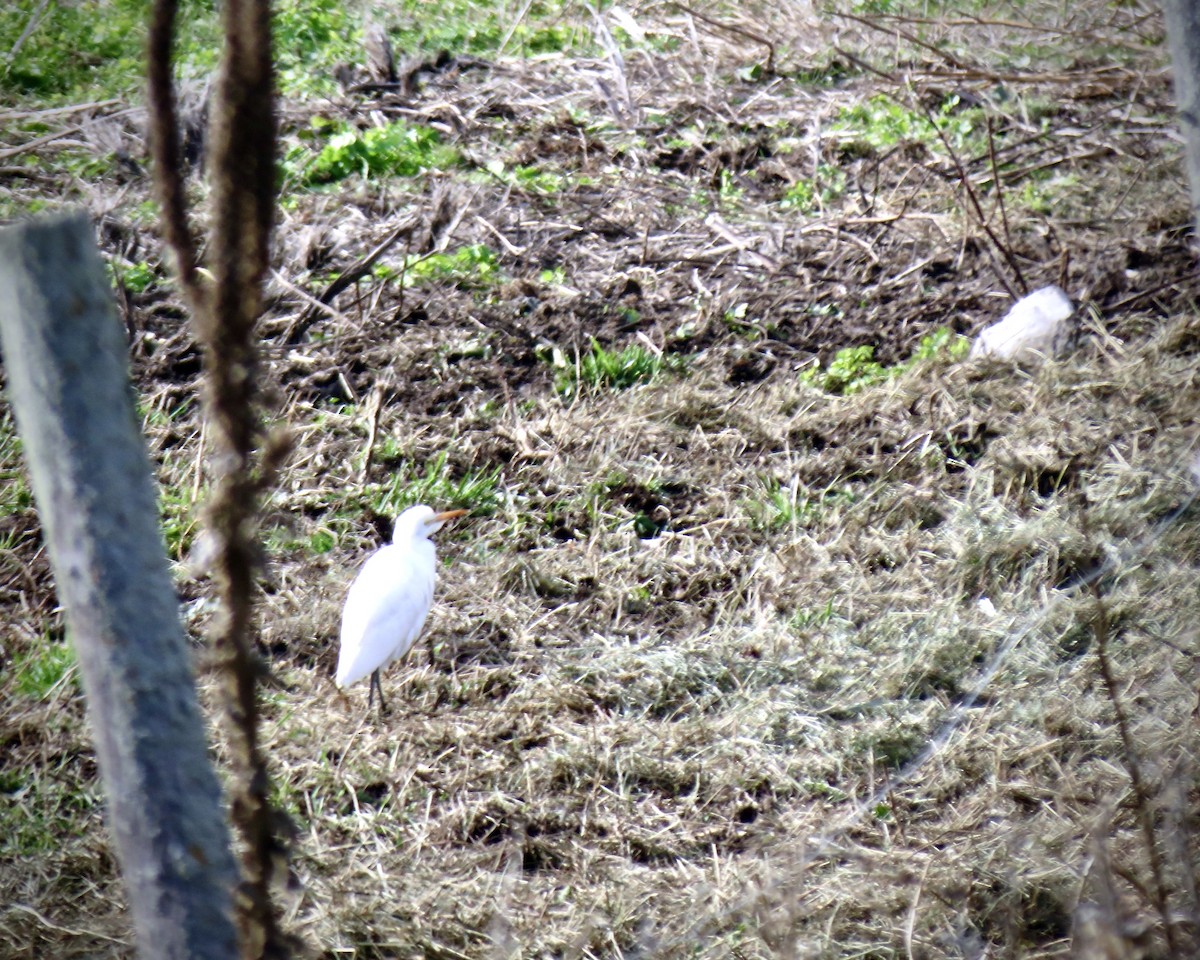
x=1141, y=790
x=30, y=26
x=347, y=278
x=999, y=184
x=10, y=115
x=740, y=31
x=905, y=35
x=374, y=405
x=38, y=142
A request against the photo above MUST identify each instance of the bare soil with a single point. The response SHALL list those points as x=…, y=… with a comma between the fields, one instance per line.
x=728, y=666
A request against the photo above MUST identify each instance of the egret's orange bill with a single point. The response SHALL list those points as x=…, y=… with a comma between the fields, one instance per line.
x=450, y=515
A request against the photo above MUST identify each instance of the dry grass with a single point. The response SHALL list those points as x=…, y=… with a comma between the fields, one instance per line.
x=684, y=671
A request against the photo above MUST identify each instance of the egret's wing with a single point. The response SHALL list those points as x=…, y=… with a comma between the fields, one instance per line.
x=384, y=613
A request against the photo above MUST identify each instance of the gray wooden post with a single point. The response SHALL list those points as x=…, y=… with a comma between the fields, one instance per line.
x=1183, y=37
x=68, y=378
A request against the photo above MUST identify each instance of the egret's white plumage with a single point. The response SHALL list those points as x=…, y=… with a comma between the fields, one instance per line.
x=1037, y=326
x=390, y=599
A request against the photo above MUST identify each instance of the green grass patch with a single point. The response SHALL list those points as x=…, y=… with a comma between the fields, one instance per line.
x=790, y=506
x=893, y=748
x=162, y=415
x=475, y=490
x=397, y=149
x=881, y=123
x=808, y=618
x=15, y=495
x=473, y=27
x=179, y=519
x=323, y=538
x=807, y=195
x=600, y=368
x=311, y=37
x=43, y=668
x=94, y=49
x=39, y=809
x=473, y=267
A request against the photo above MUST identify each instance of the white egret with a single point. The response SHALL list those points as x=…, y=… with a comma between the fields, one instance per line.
x=1037, y=326
x=390, y=599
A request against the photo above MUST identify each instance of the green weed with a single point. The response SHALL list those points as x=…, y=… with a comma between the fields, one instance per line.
x=784, y=506
x=44, y=668
x=943, y=341
x=1045, y=193
x=137, y=278
x=808, y=195
x=881, y=123
x=738, y=320
x=470, y=26
x=729, y=194
x=311, y=37
x=613, y=369
x=396, y=149
x=530, y=179
x=818, y=788
x=477, y=491
x=472, y=267
x=875, y=7
x=15, y=495
x=322, y=541
x=389, y=451
x=851, y=370
x=855, y=368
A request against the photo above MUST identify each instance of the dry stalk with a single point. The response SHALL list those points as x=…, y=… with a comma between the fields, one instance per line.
x=906, y=36
x=165, y=146
x=736, y=29
x=347, y=278
x=30, y=25
x=374, y=405
x=999, y=185
x=1143, y=799
x=243, y=182
x=977, y=207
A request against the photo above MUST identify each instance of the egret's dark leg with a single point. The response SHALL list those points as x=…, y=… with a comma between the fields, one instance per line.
x=376, y=685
